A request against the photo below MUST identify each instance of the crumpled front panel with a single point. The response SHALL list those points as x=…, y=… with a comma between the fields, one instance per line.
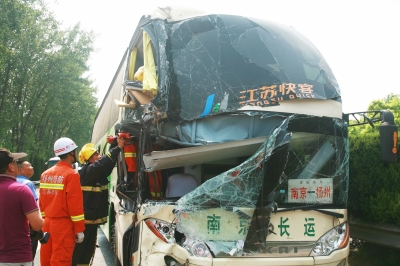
x=304, y=162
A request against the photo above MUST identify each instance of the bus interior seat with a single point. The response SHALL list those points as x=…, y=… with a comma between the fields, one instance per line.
x=179, y=185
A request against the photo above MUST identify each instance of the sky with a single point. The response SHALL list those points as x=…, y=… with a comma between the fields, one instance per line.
x=358, y=38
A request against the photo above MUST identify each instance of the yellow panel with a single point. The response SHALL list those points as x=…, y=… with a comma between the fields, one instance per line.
x=132, y=64
x=150, y=81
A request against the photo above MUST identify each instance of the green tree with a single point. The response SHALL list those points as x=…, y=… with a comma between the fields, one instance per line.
x=390, y=102
x=374, y=193
x=44, y=91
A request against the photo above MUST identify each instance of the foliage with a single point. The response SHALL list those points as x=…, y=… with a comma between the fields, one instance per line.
x=374, y=192
x=390, y=102
x=44, y=94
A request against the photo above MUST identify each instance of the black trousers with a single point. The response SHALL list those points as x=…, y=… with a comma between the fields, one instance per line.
x=34, y=243
x=84, y=252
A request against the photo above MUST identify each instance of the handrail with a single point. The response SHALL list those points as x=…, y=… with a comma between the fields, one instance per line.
x=362, y=118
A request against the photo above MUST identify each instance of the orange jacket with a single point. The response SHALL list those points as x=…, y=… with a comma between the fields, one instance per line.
x=61, y=195
x=155, y=184
x=130, y=156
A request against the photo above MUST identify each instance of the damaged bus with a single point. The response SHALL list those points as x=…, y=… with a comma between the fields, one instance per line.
x=238, y=153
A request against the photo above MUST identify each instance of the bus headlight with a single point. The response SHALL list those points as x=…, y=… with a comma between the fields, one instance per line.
x=163, y=230
x=197, y=248
x=334, y=239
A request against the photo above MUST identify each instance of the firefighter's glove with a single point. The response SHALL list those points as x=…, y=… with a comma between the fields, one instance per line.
x=79, y=237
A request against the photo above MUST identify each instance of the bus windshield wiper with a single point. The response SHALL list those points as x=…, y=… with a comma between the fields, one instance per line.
x=314, y=208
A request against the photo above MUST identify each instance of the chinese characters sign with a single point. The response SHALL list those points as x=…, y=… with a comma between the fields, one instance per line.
x=284, y=227
x=310, y=190
x=222, y=225
x=214, y=224
x=271, y=95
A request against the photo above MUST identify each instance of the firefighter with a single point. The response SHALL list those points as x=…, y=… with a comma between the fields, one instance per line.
x=94, y=180
x=61, y=206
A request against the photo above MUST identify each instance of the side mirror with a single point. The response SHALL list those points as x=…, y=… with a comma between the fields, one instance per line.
x=388, y=137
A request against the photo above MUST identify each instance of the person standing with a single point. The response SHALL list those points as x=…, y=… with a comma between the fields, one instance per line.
x=61, y=204
x=25, y=172
x=18, y=210
x=94, y=180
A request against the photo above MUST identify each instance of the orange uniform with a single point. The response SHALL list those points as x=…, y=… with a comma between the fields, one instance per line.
x=61, y=204
x=130, y=156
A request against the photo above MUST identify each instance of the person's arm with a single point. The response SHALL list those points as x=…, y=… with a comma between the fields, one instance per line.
x=75, y=202
x=104, y=165
x=30, y=208
x=33, y=189
x=35, y=220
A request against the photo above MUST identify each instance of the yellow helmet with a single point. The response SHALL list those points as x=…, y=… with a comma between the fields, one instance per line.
x=86, y=152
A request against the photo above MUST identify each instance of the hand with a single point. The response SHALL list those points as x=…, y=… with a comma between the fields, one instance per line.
x=79, y=237
x=121, y=143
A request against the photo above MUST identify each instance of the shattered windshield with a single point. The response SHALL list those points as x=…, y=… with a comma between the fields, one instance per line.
x=303, y=162
x=220, y=63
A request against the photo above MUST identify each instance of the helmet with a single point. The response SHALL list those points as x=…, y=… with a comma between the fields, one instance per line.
x=63, y=146
x=86, y=152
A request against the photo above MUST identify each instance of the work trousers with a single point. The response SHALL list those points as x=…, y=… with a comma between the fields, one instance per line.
x=84, y=252
x=34, y=242
x=60, y=247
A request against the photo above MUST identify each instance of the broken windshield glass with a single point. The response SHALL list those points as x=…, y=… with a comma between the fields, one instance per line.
x=221, y=63
x=303, y=162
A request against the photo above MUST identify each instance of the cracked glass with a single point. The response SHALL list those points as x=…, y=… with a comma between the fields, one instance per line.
x=210, y=70
x=216, y=64
x=303, y=162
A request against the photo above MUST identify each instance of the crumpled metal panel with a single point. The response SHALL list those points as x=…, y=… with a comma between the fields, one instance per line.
x=221, y=63
x=234, y=208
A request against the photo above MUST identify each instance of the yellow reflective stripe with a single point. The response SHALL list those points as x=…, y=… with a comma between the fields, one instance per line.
x=78, y=218
x=52, y=186
x=109, y=155
x=130, y=154
x=94, y=189
x=42, y=214
x=97, y=221
x=156, y=193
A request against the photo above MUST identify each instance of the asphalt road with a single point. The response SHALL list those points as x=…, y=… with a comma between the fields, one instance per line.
x=104, y=256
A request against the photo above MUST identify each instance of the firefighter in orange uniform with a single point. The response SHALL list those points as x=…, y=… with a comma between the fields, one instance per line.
x=61, y=204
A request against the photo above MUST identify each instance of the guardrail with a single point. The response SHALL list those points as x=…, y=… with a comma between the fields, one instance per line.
x=381, y=234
